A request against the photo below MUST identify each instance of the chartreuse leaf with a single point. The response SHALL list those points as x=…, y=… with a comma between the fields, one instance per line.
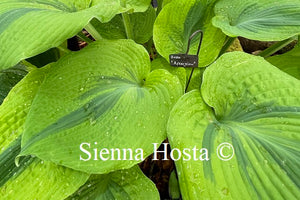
x=141, y=24
x=165, y=2
x=9, y=78
x=134, y=5
x=47, y=23
x=178, y=20
x=33, y=179
x=161, y=63
x=123, y=184
x=265, y=20
x=114, y=29
x=253, y=106
x=288, y=62
x=103, y=97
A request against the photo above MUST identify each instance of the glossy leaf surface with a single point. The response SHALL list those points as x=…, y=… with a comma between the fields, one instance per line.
x=129, y=184
x=178, y=20
x=48, y=23
x=264, y=20
x=33, y=178
x=253, y=106
x=103, y=97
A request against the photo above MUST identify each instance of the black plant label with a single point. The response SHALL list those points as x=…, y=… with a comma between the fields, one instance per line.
x=183, y=60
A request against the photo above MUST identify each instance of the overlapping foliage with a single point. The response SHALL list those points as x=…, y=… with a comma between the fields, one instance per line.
x=109, y=95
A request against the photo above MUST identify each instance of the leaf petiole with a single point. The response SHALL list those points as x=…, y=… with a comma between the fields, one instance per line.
x=127, y=25
x=226, y=45
x=94, y=33
x=275, y=47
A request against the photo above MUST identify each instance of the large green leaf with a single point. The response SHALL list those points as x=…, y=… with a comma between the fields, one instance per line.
x=288, y=62
x=178, y=20
x=33, y=179
x=103, y=97
x=253, y=106
x=141, y=24
x=29, y=27
x=122, y=185
x=266, y=20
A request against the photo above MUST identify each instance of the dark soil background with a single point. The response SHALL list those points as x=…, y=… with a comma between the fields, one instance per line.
x=159, y=171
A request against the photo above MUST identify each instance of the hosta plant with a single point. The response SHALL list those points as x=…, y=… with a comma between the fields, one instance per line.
x=76, y=125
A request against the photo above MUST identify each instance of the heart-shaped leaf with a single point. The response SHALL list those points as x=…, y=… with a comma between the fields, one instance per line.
x=33, y=178
x=265, y=20
x=47, y=23
x=288, y=62
x=178, y=20
x=241, y=134
x=123, y=184
x=98, y=100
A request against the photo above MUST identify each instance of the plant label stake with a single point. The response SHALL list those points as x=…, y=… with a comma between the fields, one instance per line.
x=186, y=60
